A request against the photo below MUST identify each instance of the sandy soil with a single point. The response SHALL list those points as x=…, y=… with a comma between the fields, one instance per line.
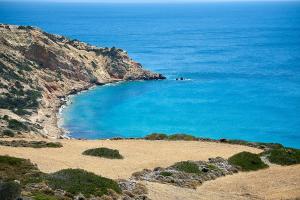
x=138, y=155
x=274, y=183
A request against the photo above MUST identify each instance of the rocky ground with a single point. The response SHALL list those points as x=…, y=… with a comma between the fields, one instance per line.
x=180, y=174
x=38, y=70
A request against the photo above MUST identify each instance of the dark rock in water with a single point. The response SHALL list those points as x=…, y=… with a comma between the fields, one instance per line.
x=180, y=79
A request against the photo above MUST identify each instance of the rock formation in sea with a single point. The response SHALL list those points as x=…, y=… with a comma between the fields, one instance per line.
x=38, y=70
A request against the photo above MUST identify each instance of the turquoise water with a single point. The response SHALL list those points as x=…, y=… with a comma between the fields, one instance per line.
x=241, y=61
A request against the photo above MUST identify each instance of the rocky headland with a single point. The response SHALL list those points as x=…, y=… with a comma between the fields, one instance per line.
x=38, y=70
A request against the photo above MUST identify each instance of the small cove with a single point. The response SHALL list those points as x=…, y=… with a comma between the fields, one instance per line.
x=240, y=60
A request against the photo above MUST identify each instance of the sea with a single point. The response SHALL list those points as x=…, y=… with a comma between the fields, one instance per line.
x=240, y=62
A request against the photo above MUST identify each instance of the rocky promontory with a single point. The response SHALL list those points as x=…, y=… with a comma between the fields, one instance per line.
x=39, y=69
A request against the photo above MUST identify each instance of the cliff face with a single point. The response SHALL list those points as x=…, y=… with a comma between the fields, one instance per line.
x=38, y=69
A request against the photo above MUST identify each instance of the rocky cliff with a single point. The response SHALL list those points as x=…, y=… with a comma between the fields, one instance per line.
x=39, y=69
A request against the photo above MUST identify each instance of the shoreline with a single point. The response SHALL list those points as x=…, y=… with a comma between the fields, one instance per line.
x=66, y=100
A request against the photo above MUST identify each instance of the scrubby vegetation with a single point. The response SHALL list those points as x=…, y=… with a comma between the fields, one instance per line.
x=41, y=186
x=164, y=173
x=188, y=167
x=10, y=190
x=32, y=144
x=12, y=168
x=156, y=136
x=182, y=137
x=19, y=100
x=283, y=156
x=8, y=133
x=17, y=125
x=103, y=152
x=78, y=181
x=42, y=196
x=247, y=161
x=161, y=136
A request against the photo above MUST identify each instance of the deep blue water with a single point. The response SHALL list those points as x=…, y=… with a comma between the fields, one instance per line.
x=242, y=62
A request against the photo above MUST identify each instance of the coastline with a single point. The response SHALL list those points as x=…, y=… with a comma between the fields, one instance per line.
x=67, y=100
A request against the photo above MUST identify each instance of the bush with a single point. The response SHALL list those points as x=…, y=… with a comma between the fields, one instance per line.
x=103, y=152
x=42, y=196
x=8, y=132
x=188, y=167
x=247, y=161
x=156, y=136
x=182, y=137
x=77, y=181
x=11, y=160
x=32, y=144
x=17, y=125
x=166, y=173
x=12, y=168
x=283, y=156
x=10, y=190
x=161, y=136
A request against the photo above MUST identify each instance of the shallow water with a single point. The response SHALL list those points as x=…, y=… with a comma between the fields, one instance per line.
x=241, y=61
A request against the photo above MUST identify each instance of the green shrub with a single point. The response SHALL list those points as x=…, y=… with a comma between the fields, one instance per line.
x=103, y=152
x=54, y=144
x=11, y=160
x=156, y=136
x=42, y=196
x=10, y=190
x=77, y=181
x=17, y=125
x=212, y=167
x=8, y=132
x=283, y=156
x=166, y=173
x=182, y=137
x=12, y=168
x=247, y=161
x=188, y=167
x=32, y=144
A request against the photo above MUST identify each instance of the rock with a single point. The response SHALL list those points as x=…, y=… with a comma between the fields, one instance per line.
x=210, y=170
x=79, y=197
x=223, y=140
x=205, y=169
x=132, y=189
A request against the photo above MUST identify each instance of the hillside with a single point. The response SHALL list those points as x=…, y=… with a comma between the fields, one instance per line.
x=38, y=70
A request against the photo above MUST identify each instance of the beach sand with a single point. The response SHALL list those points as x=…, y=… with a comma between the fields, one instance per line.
x=276, y=182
